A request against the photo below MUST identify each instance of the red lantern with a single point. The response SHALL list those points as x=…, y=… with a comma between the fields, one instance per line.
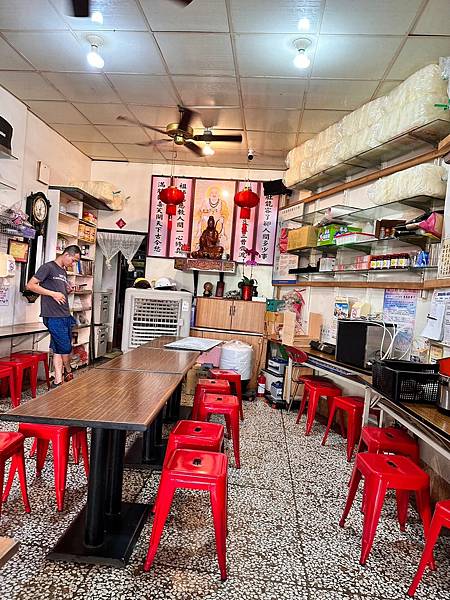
x=171, y=196
x=246, y=199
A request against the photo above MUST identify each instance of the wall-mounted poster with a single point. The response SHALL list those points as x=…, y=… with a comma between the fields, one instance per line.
x=213, y=197
x=181, y=227
x=246, y=240
x=157, y=224
x=266, y=228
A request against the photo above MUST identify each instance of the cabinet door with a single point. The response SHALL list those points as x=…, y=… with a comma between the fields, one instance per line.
x=248, y=316
x=212, y=312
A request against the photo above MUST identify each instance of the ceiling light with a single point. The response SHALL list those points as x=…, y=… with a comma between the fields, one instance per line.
x=302, y=60
x=97, y=17
x=304, y=24
x=94, y=58
x=207, y=150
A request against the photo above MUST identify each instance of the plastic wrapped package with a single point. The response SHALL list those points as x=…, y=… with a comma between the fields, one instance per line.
x=415, y=114
x=426, y=81
x=421, y=180
x=363, y=117
x=291, y=177
x=102, y=190
x=237, y=356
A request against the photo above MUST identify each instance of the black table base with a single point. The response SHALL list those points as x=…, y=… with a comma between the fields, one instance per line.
x=136, y=457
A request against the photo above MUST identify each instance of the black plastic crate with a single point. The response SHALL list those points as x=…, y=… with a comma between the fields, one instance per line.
x=404, y=381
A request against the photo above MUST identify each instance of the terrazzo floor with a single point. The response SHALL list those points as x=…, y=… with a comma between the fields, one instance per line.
x=284, y=541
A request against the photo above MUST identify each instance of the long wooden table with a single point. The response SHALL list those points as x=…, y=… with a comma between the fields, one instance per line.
x=153, y=360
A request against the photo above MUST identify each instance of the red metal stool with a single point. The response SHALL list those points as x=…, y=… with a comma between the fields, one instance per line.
x=381, y=472
x=19, y=365
x=193, y=470
x=60, y=436
x=313, y=391
x=11, y=446
x=234, y=379
x=353, y=406
x=441, y=518
x=193, y=435
x=39, y=357
x=384, y=440
x=228, y=406
x=209, y=386
x=7, y=378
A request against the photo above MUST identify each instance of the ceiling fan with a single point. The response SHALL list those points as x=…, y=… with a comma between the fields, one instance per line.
x=182, y=133
x=80, y=8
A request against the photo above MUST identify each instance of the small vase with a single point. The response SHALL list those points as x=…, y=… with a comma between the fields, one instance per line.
x=247, y=292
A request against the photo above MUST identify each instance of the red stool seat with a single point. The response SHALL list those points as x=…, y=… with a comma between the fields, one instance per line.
x=382, y=472
x=39, y=357
x=381, y=440
x=11, y=446
x=228, y=406
x=311, y=394
x=441, y=518
x=19, y=364
x=234, y=378
x=194, y=470
x=353, y=406
x=7, y=377
x=208, y=386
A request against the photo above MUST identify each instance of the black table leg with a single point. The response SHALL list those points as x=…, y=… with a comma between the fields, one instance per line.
x=148, y=451
x=115, y=473
x=175, y=411
x=95, y=514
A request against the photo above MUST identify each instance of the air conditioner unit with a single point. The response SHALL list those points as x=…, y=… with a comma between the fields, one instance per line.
x=149, y=314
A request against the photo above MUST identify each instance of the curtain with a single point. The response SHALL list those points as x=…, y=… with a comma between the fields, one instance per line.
x=113, y=243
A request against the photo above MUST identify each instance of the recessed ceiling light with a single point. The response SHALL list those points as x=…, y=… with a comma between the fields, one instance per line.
x=94, y=57
x=304, y=24
x=97, y=17
x=302, y=60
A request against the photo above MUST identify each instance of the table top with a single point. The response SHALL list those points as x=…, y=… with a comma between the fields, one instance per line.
x=152, y=360
x=430, y=415
x=100, y=398
x=24, y=329
x=160, y=342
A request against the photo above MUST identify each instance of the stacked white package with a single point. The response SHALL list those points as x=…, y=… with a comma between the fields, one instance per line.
x=421, y=180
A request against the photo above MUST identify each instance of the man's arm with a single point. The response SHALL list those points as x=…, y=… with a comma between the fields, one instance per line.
x=34, y=286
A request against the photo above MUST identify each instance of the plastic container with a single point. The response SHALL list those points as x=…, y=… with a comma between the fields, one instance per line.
x=404, y=381
x=237, y=356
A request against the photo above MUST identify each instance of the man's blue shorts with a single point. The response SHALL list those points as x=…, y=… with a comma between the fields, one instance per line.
x=60, y=329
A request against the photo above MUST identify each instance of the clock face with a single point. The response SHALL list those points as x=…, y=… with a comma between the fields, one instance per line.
x=40, y=209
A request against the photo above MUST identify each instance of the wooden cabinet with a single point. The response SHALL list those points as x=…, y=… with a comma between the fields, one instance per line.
x=234, y=315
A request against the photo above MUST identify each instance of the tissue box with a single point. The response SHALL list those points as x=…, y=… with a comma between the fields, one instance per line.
x=327, y=233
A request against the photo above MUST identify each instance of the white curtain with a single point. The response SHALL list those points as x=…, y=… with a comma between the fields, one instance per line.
x=113, y=243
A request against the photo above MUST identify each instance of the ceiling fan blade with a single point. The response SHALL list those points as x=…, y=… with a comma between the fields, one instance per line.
x=136, y=122
x=153, y=143
x=183, y=2
x=194, y=148
x=80, y=8
x=186, y=117
x=217, y=138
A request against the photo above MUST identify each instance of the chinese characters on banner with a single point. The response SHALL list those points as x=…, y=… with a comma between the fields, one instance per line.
x=182, y=223
x=157, y=226
x=244, y=240
x=266, y=228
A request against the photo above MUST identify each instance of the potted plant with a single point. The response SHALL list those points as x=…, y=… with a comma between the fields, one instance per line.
x=246, y=286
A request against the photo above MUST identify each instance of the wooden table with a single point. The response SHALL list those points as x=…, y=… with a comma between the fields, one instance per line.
x=153, y=360
x=111, y=402
x=8, y=547
x=25, y=329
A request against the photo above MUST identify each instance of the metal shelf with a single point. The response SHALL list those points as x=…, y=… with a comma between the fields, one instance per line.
x=381, y=211
x=416, y=240
x=6, y=186
x=82, y=196
x=364, y=271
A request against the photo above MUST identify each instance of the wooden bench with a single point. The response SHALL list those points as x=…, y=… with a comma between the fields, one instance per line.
x=8, y=547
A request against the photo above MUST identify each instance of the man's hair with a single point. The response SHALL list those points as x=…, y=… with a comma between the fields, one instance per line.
x=72, y=250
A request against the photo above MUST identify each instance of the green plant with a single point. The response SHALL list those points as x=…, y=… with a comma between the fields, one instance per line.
x=246, y=281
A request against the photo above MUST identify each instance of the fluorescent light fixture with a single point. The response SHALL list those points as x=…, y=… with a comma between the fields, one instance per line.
x=302, y=60
x=207, y=150
x=94, y=57
x=304, y=24
x=97, y=17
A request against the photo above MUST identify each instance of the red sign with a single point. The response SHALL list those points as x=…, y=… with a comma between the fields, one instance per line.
x=120, y=223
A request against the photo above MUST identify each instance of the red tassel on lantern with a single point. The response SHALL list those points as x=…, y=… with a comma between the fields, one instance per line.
x=171, y=196
x=246, y=199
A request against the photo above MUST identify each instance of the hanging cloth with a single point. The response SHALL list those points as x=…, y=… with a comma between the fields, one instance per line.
x=129, y=246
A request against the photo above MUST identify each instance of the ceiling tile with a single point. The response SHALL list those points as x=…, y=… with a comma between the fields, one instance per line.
x=51, y=50
x=127, y=51
x=366, y=16
x=132, y=152
x=207, y=91
x=435, y=19
x=98, y=150
x=117, y=15
x=83, y=87
x=80, y=133
x=201, y=15
x=218, y=118
x=103, y=114
x=229, y=157
x=386, y=87
x=56, y=112
x=158, y=116
x=302, y=137
x=338, y=94
x=23, y=14
x=417, y=53
x=28, y=86
x=122, y=134
x=353, y=57
x=182, y=154
x=11, y=60
x=314, y=121
x=259, y=119
x=144, y=89
x=279, y=17
x=262, y=140
x=259, y=92
x=197, y=53
x=268, y=55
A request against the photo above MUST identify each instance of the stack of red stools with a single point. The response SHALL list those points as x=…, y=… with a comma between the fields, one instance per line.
x=212, y=386
x=234, y=379
x=228, y=406
x=11, y=446
x=17, y=364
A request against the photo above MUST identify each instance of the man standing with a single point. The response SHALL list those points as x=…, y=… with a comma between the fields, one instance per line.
x=50, y=281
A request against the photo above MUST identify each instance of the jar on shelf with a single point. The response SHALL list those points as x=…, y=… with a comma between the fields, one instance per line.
x=386, y=261
x=373, y=261
x=394, y=261
x=404, y=260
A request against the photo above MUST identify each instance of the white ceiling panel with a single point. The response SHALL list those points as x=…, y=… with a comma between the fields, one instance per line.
x=103, y=114
x=26, y=14
x=144, y=89
x=338, y=94
x=263, y=92
x=201, y=15
x=51, y=50
x=218, y=118
x=314, y=121
x=353, y=57
x=268, y=55
x=435, y=19
x=83, y=87
x=262, y=141
x=158, y=116
x=417, y=53
x=196, y=53
x=207, y=91
x=134, y=152
x=259, y=119
x=98, y=150
x=57, y=112
x=127, y=51
x=368, y=16
x=28, y=86
x=265, y=16
x=182, y=154
x=119, y=134
x=117, y=15
x=80, y=133
x=11, y=60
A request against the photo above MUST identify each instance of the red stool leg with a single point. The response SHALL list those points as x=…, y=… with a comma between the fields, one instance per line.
x=218, y=508
x=2, y=476
x=234, y=422
x=229, y=424
x=33, y=448
x=76, y=448
x=17, y=386
x=427, y=555
x=165, y=492
x=330, y=421
x=238, y=386
x=376, y=491
x=402, y=497
x=302, y=403
x=423, y=507
x=312, y=409
x=84, y=451
x=17, y=464
x=353, y=427
x=60, y=460
x=353, y=487
x=33, y=379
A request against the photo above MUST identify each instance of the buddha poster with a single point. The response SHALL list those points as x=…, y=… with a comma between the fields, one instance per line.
x=213, y=198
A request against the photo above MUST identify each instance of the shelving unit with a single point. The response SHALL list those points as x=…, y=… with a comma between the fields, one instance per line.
x=5, y=154
x=6, y=186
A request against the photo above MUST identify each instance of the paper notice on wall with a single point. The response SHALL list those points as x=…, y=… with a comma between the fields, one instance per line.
x=400, y=308
x=4, y=296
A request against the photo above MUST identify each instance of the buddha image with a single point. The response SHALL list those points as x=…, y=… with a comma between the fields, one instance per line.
x=213, y=204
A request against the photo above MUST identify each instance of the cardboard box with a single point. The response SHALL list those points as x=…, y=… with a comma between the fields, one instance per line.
x=303, y=237
x=193, y=375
